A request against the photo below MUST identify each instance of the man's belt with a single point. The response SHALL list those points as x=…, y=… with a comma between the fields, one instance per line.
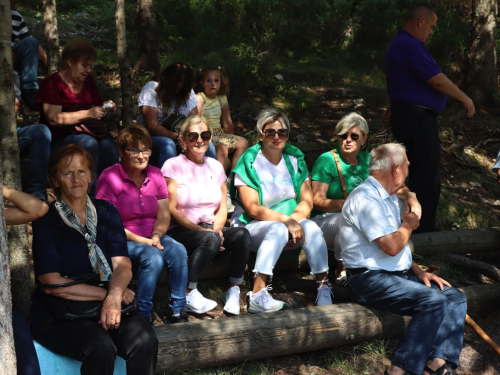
x=357, y=271
x=415, y=107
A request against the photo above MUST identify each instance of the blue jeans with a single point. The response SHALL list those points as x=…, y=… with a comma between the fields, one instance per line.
x=27, y=360
x=26, y=62
x=149, y=262
x=34, y=142
x=164, y=148
x=103, y=151
x=438, y=317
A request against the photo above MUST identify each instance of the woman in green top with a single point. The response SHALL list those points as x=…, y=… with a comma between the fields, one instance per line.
x=328, y=192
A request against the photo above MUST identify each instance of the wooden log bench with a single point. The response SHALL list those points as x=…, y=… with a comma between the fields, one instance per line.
x=250, y=337
x=51, y=363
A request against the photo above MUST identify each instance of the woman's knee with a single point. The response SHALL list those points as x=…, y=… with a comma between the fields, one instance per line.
x=211, y=242
x=148, y=257
x=311, y=229
x=277, y=230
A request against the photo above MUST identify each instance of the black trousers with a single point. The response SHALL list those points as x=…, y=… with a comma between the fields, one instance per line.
x=86, y=341
x=418, y=130
x=203, y=246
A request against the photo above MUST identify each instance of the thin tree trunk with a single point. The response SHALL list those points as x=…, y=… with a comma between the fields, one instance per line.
x=124, y=61
x=17, y=235
x=51, y=35
x=7, y=351
x=148, y=56
x=482, y=74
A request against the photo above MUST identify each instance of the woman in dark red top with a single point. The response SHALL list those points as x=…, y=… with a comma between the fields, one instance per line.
x=74, y=110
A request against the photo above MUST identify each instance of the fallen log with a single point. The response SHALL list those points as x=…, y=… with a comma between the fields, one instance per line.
x=456, y=241
x=250, y=337
x=473, y=265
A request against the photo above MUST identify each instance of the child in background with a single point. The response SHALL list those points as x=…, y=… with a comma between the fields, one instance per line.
x=212, y=88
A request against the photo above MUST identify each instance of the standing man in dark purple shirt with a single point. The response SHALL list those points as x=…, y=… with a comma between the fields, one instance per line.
x=417, y=92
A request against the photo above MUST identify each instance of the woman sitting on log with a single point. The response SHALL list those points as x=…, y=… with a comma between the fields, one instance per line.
x=171, y=93
x=139, y=192
x=197, y=189
x=73, y=109
x=270, y=183
x=82, y=236
x=338, y=172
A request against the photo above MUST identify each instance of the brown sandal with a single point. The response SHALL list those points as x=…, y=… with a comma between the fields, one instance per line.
x=445, y=369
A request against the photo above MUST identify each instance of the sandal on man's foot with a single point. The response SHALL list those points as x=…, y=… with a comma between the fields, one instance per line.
x=445, y=369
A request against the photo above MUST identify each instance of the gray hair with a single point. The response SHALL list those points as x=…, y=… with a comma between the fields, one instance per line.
x=384, y=157
x=349, y=121
x=269, y=115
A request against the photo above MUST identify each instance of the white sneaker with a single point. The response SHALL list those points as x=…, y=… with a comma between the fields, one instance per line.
x=231, y=299
x=198, y=304
x=325, y=295
x=263, y=302
x=230, y=205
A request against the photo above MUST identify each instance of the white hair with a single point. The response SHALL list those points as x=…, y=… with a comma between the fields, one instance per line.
x=349, y=121
x=384, y=157
x=270, y=115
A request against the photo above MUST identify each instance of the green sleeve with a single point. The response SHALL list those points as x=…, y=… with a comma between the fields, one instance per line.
x=325, y=169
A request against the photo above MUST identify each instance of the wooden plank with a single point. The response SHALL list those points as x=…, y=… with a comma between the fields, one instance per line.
x=249, y=337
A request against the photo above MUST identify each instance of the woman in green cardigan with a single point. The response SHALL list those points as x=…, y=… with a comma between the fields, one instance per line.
x=271, y=186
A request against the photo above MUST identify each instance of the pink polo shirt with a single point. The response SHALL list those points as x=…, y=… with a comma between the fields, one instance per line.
x=137, y=206
x=198, y=187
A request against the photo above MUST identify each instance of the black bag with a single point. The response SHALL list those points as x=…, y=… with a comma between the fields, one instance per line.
x=173, y=122
x=95, y=128
x=66, y=309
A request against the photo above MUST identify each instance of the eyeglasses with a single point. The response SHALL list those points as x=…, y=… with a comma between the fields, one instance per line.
x=205, y=136
x=354, y=136
x=136, y=151
x=271, y=133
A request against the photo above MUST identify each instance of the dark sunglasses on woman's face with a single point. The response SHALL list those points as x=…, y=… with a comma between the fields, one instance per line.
x=271, y=133
x=136, y=151
x=205, y=136
x=354, y=136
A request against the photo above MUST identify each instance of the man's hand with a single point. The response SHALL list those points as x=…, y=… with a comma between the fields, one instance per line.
x=469, y=106
x=386, y=118
x=413, y=205
x=411, y=219
x=427, y=278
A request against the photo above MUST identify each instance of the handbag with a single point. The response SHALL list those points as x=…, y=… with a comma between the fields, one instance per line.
x=286, y=207
x=95, y=128
x=66, y=309
x=173, y=122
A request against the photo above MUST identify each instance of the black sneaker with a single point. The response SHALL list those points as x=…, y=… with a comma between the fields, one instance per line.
x=28, y=97
x=182, y=318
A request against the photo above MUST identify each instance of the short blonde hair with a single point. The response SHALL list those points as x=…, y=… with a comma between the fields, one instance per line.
x=269, y=115
x=194, y=120
x=349, y=121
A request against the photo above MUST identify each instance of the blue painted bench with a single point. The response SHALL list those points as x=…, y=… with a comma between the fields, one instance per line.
x=51, y=363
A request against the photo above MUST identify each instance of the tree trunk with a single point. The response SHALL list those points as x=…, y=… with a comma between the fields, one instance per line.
x=7, y=351
x=473, y=265
x=17, y=235
x=124, y=61
x=216, y=342
x=482, y=74
x=148, y=56
x=51, y=35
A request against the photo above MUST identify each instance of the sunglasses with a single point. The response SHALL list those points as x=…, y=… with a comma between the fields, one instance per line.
x=205, y=136
x=136, y=151
x=271, y=133
x=354, y=136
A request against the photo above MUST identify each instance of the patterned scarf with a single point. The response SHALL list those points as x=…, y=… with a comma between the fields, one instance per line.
x=96, y=256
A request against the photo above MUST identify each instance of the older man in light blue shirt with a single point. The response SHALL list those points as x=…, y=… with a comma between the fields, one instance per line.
x=380, y=271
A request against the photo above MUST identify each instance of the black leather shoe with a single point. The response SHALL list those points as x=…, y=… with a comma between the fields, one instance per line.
x=182, y=318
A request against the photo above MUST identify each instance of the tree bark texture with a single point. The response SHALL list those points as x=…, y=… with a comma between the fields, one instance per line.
x=482, y=78
x=7, y=351
x=473, y=265
x=124, y=62
x=52, y=36
x=17, y=235
x=148, y=56
x=216, y=342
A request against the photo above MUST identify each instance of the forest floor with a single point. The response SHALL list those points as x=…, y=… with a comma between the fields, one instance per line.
x=470, y=198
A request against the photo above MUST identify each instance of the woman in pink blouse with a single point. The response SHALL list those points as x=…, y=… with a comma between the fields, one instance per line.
x=197, y=189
